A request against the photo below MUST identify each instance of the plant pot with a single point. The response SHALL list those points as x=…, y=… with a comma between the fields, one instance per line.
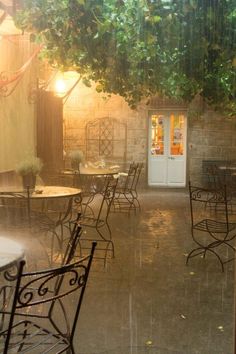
x=29, y=181
x=75, y=165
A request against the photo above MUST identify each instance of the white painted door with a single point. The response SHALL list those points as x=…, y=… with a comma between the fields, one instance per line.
x=167, y=149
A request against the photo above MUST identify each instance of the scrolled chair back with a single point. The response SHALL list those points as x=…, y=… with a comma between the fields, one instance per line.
x=48, y=294
x=213, y=200
x=204, y=195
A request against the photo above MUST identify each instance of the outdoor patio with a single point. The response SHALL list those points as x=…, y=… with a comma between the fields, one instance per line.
x=146, y=300
x=111, y=113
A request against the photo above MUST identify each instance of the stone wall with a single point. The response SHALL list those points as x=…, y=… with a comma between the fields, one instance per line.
x=210, y=136
x=85, y=104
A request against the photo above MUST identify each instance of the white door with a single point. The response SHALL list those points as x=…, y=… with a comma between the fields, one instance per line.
x=167, y=149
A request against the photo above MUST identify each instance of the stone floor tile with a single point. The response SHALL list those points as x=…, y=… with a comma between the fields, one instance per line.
x=146, y=300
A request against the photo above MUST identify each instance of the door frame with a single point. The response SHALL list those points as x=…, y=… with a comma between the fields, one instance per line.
x=167, y=111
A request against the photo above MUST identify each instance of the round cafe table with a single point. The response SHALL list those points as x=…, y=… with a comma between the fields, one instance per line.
x=40, y=192
x=58, y=199
x=91, y=171
x=89, y=179
x=50, y=192
x=11, y=252
x=45, y=194
x=225, y=167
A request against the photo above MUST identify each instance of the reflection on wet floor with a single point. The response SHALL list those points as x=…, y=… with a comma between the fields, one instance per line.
x=141, y=350
x=146, y=300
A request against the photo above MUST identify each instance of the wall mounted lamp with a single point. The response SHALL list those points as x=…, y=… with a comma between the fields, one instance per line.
x=61, y=90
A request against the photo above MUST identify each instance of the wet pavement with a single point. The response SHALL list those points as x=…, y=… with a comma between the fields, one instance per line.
x=146, y=300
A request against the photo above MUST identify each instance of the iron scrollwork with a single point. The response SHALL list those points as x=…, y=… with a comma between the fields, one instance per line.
x=48, y=286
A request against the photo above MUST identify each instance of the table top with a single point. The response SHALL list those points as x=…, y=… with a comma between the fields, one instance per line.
x=225, y=167
x=10, y=253
x=54, y=192
x=93, y=171
x=44, y=192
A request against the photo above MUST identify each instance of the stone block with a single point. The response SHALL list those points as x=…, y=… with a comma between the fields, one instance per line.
x=213, y=152
x=196, y=137
x=218, y=138
x=75, y=134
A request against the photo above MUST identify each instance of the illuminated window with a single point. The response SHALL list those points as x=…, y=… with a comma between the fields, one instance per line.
x=176, y=134
x=157, y=147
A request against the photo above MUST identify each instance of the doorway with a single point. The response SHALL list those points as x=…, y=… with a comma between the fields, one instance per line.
x=50, y=130
x=167, y=148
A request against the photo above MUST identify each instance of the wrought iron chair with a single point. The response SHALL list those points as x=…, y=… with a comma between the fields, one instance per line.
x=223, y=175
x=69, y=255
x=50, y=328
x=213, y=177
x=15, y=208
x=210, y=226
x=219, y=174
x=98, y=221
x=126, y=196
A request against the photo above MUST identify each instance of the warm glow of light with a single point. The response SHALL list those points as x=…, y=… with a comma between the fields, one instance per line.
x=71, y=75
x=60, y=87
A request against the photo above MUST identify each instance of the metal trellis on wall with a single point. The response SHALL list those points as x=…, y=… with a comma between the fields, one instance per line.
x=106, y=138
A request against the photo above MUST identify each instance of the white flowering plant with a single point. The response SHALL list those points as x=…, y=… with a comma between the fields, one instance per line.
x=77, y=156
x=30, y=165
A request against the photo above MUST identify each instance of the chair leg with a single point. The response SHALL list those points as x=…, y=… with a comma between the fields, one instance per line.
x=71, y=350
x=23, y=336
x=202, y=250
x=109, y=241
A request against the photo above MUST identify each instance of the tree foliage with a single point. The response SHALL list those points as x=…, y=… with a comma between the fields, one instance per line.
x=138, y=48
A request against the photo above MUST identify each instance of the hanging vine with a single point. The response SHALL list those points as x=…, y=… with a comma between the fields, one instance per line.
x=138, y=48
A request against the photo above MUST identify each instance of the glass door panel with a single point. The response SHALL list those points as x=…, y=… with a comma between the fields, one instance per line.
x=158, y=135
x=177, y=134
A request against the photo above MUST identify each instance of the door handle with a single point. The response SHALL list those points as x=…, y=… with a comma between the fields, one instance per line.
x=171, y=158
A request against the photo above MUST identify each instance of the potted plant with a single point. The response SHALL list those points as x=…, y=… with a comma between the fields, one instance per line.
x=29, y=169
x=76, y=157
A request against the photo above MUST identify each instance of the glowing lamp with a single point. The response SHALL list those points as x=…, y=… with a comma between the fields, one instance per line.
x=60, y=87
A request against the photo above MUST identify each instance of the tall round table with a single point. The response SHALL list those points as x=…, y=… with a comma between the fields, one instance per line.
x=50, y=192
x=89, y=179
x=44, y=194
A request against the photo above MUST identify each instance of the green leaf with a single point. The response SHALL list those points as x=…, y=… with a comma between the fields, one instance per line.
x=99, y=88
x=137, y=48
x=81, y=2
